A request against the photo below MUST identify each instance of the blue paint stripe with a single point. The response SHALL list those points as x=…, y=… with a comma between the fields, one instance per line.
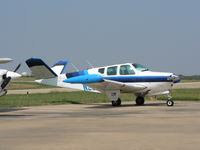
x=139, y=78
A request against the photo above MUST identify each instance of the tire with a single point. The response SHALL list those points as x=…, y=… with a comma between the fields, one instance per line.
x=117, y=102
x=139, y=100
x=170, y=103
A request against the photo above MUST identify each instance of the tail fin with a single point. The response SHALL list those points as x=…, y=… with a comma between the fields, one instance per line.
x=60, y=67
x=39, y=69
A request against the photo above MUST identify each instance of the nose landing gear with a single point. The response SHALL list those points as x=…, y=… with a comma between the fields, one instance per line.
x=170, y=102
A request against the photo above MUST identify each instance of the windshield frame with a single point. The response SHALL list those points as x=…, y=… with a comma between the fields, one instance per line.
x=140, y=67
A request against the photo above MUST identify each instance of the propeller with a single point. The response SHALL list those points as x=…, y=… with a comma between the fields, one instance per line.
x=174, y=78
x=8, y=76
x=17, y=68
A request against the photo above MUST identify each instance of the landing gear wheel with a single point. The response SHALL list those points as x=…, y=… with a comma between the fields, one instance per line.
x=139, y=100
x=170, y=103
x=117, y=102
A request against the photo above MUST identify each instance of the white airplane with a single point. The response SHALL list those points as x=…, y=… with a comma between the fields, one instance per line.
x=6, y=76
x=112, y=80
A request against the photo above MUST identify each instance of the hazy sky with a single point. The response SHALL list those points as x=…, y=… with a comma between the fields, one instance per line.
x=161, y=34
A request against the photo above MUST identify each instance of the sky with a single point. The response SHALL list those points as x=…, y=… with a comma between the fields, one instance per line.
x=163, y=35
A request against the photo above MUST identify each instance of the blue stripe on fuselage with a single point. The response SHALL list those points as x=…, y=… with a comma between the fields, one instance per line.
x=139, y=78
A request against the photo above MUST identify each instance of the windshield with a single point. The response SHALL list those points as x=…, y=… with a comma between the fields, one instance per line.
x=140, y=67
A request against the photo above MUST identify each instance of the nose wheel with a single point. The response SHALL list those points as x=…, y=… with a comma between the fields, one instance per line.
x=170, y=102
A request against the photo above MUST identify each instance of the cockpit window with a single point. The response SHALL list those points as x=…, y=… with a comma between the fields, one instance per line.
x=140, y=67
x=112, y=70
x=101, y=70
x=126, y=70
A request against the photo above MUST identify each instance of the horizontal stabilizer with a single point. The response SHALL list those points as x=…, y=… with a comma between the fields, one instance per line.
x=39, y=69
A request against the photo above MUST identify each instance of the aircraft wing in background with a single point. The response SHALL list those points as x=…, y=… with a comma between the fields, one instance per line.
x=5, y=60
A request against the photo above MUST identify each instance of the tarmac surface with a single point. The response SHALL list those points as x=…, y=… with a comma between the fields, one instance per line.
x=153, y=126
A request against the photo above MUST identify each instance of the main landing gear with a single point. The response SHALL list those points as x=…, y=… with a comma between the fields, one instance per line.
x=117, y=102
x=139, y=100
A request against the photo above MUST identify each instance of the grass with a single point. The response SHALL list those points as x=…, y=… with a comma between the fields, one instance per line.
x=54, y=98
x=187, y=81
x=57, y=98
x=184, y=94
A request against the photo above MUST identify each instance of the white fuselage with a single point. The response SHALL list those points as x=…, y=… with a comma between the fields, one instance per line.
x=154, y=87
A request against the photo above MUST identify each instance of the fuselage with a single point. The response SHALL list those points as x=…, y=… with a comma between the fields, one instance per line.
x=130, y=74
x=111, y=80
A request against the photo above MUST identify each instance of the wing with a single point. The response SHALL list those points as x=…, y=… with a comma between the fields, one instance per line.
x=5, y=60
x=106, y=85
x=97, y=82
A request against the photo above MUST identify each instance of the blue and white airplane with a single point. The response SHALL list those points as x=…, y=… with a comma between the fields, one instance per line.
x=112, y=80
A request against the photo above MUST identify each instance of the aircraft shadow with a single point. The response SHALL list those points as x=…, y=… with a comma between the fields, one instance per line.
x=125, y=105
x=3, y=110
x=12, y=116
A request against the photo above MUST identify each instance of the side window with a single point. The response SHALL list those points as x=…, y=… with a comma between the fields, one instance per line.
x=126, y=70
x=101, y=70
x=112, y=70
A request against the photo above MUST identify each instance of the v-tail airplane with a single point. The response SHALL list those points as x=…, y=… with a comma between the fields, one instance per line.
x=112, y=80
x=6, y=76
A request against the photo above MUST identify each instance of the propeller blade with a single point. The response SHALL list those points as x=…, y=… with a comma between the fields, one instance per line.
x=5, y=83
x=4, y=76
x=17, y=68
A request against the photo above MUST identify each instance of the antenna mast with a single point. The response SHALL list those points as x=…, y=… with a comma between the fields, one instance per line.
x=89, y=64
x=75, y=67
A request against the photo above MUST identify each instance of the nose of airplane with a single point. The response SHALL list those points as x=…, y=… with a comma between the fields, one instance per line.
x=175, y=78
x=13, y=75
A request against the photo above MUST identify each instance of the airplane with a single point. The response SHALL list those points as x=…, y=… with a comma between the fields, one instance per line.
x=6, y=76
x=112, y=80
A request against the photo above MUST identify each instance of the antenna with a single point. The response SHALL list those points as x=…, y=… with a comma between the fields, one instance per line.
x=75, y=67
x=89, y=64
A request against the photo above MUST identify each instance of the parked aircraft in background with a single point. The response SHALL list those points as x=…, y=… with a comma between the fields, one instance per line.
x=112, y=80
x=5, y=60
x=6, y=76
